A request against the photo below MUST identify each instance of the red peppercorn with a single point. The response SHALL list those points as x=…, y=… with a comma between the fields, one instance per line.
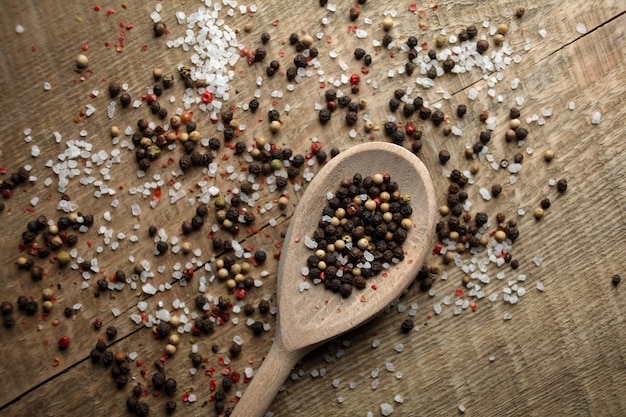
x=352, y=209
x=331, y=105
x=240, y=294
x=355, y=79
x=316, y=147
x=64, y=342
x=207, y=97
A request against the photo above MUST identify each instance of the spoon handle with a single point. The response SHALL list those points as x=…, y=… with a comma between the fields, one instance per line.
x=267, y=381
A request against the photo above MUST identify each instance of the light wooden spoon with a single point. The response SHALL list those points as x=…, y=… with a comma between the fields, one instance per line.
x=308, y=318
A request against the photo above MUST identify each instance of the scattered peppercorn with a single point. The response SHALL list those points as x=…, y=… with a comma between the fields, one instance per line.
x=615, y=280
x=264, y=306
x=407, y=325
x=561, y=185
x=234, y=350
x=482, y=46
x=159, y=28
x=444, y=156
x=461, y=110
x=111, y=332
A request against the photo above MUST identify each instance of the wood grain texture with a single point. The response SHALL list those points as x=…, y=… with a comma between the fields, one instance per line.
x=562, y=352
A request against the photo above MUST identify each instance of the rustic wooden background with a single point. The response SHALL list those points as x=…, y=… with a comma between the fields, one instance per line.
x=562, y=351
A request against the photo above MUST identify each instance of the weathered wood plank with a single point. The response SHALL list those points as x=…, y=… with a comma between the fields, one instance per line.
x=579, y=313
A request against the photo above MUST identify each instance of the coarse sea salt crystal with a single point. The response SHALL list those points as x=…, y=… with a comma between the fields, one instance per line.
x=595, y=119
x=485, y=194
x=581, y=28
x=386, y=409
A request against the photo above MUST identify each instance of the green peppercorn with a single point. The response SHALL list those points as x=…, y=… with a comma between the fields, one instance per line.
x=63, y=258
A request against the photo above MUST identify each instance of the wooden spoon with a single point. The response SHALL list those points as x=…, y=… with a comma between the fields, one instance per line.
x=311, y=317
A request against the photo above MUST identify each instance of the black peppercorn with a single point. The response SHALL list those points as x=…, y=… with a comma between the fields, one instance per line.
x=125, y=100
x=444, y=156
x=394, y=104
x=259, y=54
x=257, y=327
x=561, y=185
x=264, y=306
x=291, y=73
x=142, y=409
x=234, y=350
x=359, y=53
x=214, y=144
x=300, y=61
x=424, y=113
x=324, y=116
x=437, y=117
x=481, y=219
x=161, y=247
x=185, y=162
x=471, y=32
x=313, y=52
x=514, y=113
x=448, y=64
x=253, y=105
x=6, y=307
x=615, y=280
x=197, y=222
x=170, y=406
x=461, y=110
x=131, y=404
x=265, y=37
x=387, y=39
x=155, y=107
x=407, y=325
x=416, y=146
x=273, y=115
x=545, y=203
x=351, y=118
x=170, y=386
x=111, y=332
x=496, y=189
x=367, y=60
x=398, y=137
x=521, y=133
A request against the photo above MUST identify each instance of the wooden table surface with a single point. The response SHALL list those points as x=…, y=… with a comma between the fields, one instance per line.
x=559, y=351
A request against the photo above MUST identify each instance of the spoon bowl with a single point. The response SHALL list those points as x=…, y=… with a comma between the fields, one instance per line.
x=308, y=314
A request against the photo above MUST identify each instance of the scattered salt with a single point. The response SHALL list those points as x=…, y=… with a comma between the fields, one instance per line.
x=595, y=119
x=386, y=409
x=581, y=28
